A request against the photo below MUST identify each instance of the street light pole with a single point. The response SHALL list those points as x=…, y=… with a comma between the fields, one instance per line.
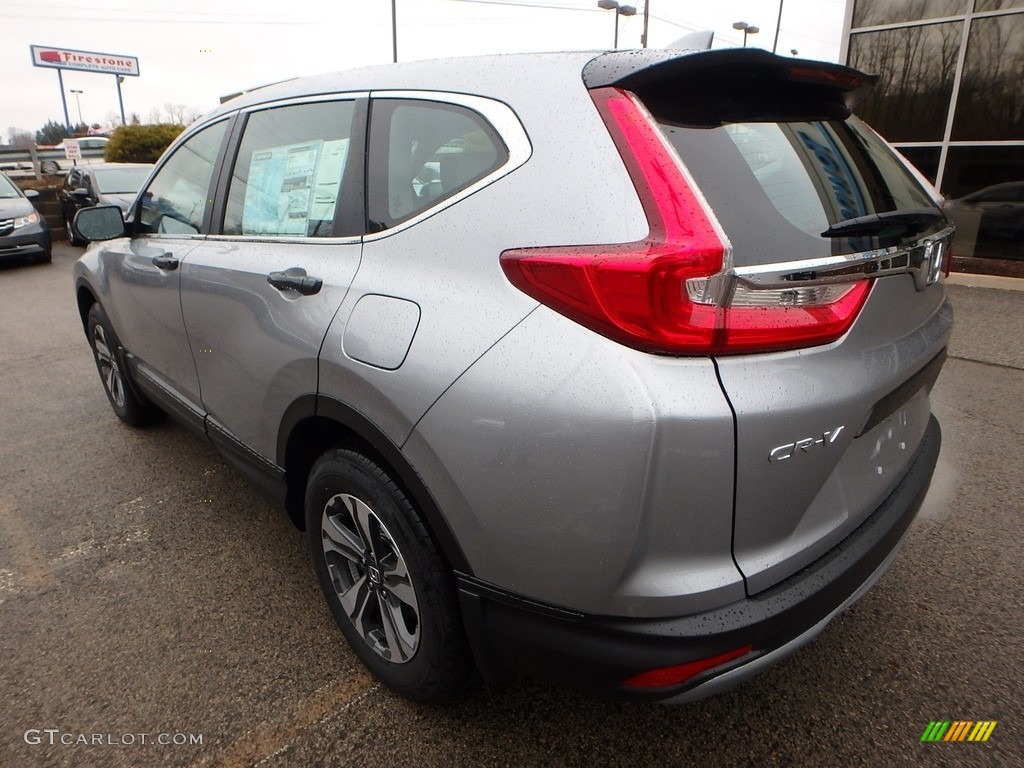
x=394, y=34
x=778, y=25
x=747, y=29
x=647, y=19
x=620, y=10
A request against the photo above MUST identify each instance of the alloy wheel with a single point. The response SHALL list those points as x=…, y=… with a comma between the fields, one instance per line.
x=371, y=578
x=109, y=370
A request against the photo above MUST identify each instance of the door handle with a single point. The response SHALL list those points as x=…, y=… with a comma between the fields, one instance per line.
x=166, y=261
x=296, y=279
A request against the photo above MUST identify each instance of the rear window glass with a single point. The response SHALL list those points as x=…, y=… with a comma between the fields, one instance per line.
x=423, y=152
x=113, y=181
x=776, y=187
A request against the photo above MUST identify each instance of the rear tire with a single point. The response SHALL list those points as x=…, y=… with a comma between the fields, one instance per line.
x=49, y=167
x=130, y=407
x=387, y=585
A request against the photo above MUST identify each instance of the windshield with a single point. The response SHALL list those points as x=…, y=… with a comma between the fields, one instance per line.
x=116, y=181
x=776, y=187
x=7, y=189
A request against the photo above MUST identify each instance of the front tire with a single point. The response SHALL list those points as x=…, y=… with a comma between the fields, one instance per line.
x=69, y=216
x=130, y=408
x=387, y=585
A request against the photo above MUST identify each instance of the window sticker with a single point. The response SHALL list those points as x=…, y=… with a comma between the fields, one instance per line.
x=327, y=179
x=279, y=193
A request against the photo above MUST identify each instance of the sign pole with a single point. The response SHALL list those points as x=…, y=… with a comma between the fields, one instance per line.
x=64, y=101
x=120, y=101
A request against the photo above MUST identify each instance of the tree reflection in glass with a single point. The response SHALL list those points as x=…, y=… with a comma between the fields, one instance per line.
x=990, y=104
x=916, y=66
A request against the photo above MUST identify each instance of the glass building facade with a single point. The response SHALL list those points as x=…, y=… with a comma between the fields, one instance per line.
x=951, y=97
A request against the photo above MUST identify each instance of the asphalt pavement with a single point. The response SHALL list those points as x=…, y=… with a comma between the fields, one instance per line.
x=154, y=611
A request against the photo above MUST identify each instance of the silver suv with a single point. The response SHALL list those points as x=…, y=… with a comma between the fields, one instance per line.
x=611, y=369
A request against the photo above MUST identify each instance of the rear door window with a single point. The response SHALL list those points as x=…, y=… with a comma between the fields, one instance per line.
x=776, y=186
x=424, y=152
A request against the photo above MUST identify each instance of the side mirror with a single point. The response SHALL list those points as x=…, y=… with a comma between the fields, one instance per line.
x=103, y=222
x=80, y=192
x=31, y=194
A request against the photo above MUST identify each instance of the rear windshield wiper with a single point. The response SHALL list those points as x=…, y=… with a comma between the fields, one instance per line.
x=891, y=223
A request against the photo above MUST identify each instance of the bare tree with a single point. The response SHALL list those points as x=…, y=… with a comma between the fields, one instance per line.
x=18, y=137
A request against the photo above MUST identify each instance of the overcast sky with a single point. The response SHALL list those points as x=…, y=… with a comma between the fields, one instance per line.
x=191, y=52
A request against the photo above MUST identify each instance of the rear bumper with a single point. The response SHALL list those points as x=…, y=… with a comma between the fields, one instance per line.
x=597, y=653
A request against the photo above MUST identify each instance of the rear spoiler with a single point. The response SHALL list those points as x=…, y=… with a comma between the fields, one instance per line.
x=708, y=88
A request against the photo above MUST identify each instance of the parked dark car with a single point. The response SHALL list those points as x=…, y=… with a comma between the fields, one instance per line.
x=100, y=184
x=23, y=232
x=993, y=218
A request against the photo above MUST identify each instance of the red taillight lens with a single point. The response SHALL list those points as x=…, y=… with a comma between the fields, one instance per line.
x=636, y=293
x=680, y=673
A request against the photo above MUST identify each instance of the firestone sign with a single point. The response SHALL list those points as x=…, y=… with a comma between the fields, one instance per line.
x=86, y=61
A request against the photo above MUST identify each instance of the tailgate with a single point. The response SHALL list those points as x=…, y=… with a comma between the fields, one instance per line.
x=823, y=436
x=823, y=224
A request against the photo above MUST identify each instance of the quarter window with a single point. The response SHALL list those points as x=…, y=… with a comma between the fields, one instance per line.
x=423, y=152
x=288, y=173
x=176, y=199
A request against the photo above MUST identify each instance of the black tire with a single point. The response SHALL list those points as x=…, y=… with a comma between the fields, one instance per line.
x=49, y=167
x=129, y=406
x=426, y=656
x=69, y=216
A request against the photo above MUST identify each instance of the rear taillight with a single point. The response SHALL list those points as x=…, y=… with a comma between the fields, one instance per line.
x=651, y=294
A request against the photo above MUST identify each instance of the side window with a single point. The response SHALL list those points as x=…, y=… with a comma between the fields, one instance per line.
x=422, y=152
x=176, y=198
x=288, y=173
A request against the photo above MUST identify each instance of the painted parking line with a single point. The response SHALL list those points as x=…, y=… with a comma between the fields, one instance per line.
x=260, y=744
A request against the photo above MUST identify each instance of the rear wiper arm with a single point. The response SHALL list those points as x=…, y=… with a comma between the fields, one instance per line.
x=905, y=222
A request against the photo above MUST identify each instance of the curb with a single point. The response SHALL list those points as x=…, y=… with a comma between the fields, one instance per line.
x=985, y=281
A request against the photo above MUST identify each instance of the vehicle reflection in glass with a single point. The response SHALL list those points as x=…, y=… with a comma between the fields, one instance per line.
x=990, y=221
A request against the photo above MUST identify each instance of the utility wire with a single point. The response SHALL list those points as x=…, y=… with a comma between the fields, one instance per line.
x=527, y=4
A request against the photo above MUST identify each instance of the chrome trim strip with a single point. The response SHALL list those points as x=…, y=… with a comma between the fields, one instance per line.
x=292, y=100
x=304, y=239
x=923, y=260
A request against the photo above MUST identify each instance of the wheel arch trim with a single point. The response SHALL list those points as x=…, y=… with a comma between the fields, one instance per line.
x=327, y=411
x=83, y=289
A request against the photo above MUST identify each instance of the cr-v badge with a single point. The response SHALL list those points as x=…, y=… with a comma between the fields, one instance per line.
x=789, y=450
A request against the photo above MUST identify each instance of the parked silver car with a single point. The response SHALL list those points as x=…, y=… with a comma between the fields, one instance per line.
x=612, y=369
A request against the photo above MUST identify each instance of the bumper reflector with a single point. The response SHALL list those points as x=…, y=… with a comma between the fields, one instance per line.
x=680, y=673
